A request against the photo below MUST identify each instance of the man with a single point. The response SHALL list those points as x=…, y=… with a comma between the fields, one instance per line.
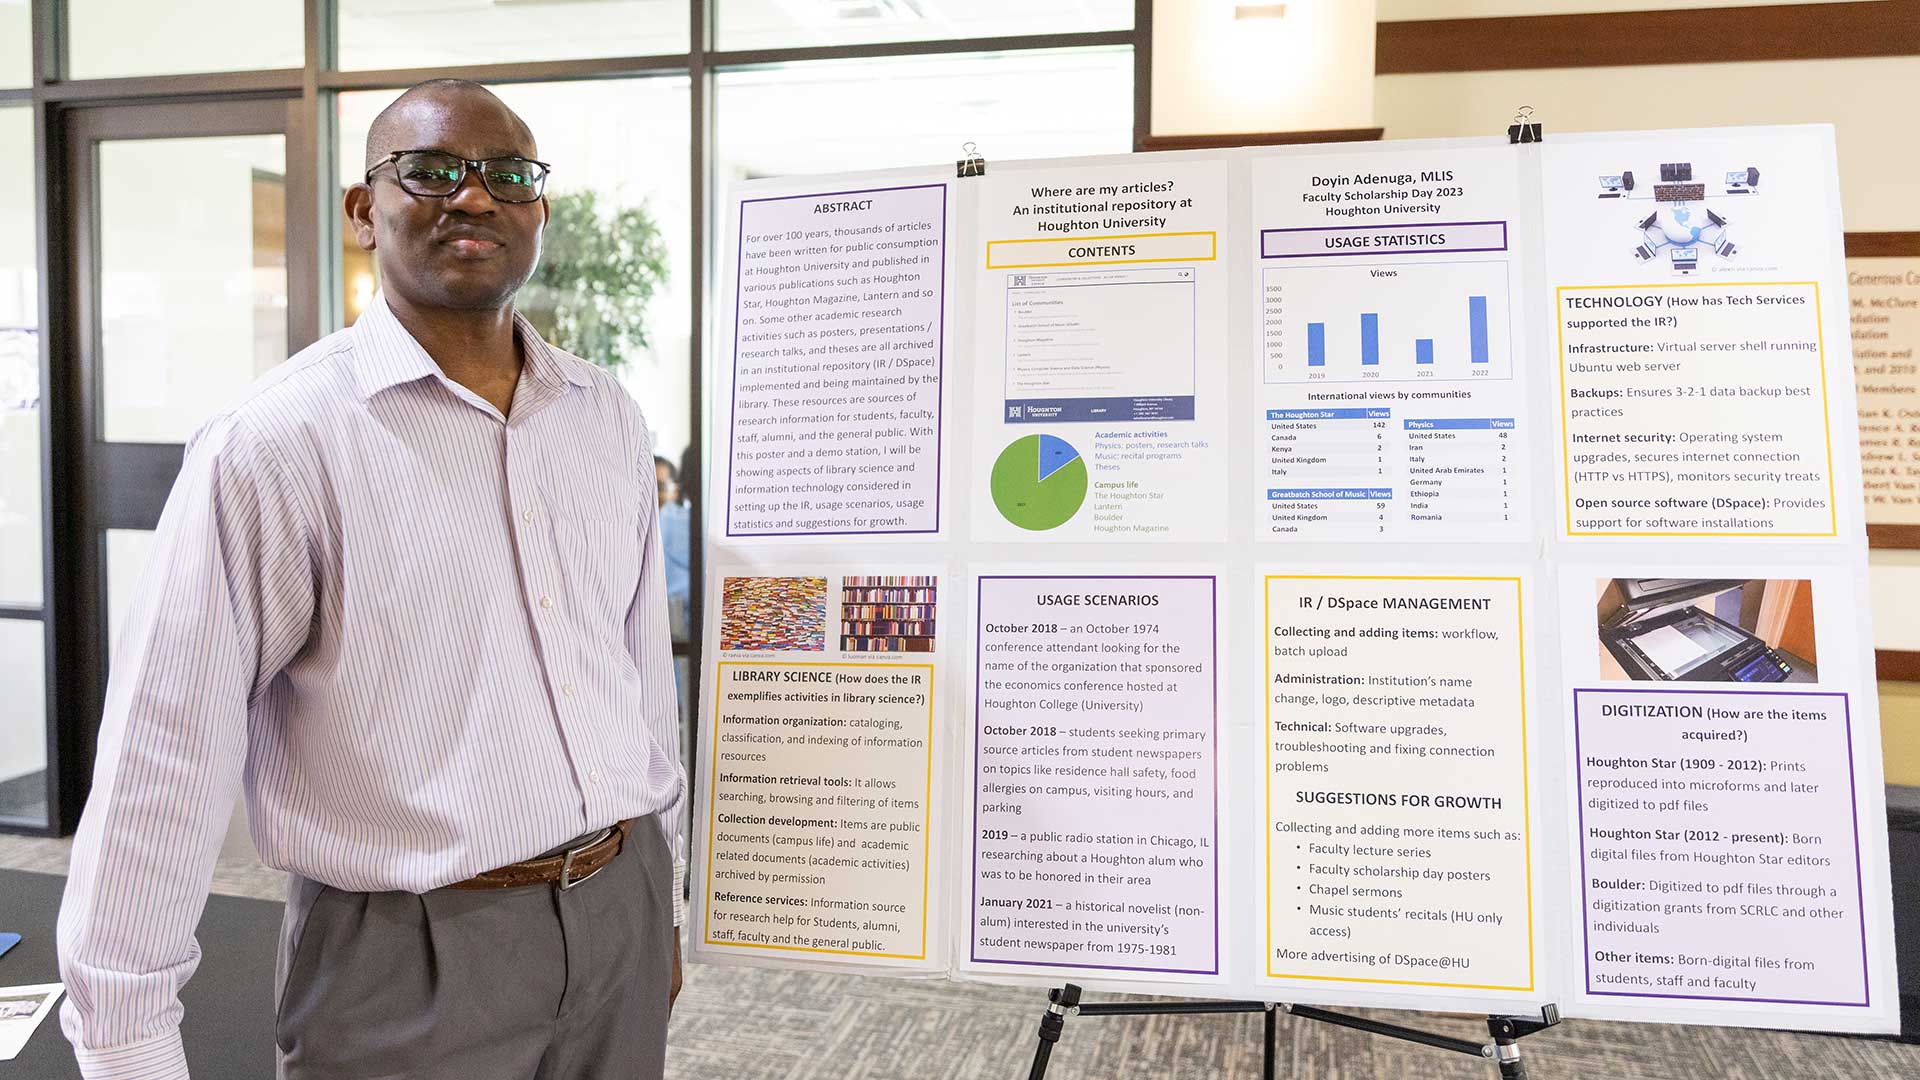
x=408, y=596
x=667, y=478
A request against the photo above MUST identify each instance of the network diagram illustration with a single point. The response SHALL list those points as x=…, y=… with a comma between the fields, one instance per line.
x=1682, y=223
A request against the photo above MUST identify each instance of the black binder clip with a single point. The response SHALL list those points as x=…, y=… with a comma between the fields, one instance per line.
x=971, y=165
x=1523, y=129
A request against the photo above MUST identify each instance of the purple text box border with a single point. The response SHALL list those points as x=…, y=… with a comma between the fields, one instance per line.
x=1853, y=799
x=974, y=845
x=1382, y=251
x=940, y=366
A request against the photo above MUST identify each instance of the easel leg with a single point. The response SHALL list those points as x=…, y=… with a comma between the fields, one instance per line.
x=1060, y=1004
x=1507, y=1053
x=1273, y=1029
x=1507, y=1031
x=1504, y=1050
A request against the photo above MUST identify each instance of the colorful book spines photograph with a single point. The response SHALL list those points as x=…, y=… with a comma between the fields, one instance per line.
x=887, y=626
x=885, y=611
x=892, y=613
x=773, y=614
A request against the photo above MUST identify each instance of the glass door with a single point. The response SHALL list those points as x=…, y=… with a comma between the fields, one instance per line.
x=24, y=734
x=183, y=294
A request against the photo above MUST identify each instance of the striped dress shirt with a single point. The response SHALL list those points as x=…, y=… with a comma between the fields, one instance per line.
x=423, y=639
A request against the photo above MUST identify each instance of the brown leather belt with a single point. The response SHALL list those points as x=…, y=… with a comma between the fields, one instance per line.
x=565, y=869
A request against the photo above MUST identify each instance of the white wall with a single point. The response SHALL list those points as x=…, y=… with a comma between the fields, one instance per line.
x=1307, y=70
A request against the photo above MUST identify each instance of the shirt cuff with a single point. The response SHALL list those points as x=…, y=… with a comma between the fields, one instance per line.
x=679, y=892
x=160, y=1057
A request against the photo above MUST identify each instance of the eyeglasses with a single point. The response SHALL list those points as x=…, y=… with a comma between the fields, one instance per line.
x=437, y=174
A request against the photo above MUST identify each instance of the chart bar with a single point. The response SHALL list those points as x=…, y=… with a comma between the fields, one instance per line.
x=1457, y=309
x=1477, y=319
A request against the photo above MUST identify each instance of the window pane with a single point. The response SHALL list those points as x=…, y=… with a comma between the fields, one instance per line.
x=127, y=553
x=23, y=720
x=182, y=338
x=16, y=43
x=108, y=38
x=19, y=366
x=755, y=24
x=920, y=110
x=20, y=569
x=618, y=196
x=428, y=33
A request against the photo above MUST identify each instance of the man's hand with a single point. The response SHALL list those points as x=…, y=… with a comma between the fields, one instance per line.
x=673, y=988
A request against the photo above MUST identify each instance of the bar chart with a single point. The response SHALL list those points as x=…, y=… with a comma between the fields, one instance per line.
x=1389, y=322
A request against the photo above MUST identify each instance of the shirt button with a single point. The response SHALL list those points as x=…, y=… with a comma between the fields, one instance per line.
x=526, y=516
x=546, y=601
x=593, y=777
x=567, y=689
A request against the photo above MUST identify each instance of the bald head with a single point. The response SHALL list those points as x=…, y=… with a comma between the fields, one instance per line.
x=425, y=108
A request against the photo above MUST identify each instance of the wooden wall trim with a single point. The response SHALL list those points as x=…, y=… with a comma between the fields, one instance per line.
x=1637, y=38
x=1906, y=537
x=1265, y=138
x=1882, y=244
x=1896, y=665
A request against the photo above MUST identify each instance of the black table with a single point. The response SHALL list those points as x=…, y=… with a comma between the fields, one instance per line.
x=229, y=1021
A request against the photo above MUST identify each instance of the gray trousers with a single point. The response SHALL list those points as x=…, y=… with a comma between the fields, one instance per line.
x=516, y=984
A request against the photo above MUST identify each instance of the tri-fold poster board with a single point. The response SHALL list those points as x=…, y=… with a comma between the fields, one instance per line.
x=1414, y=574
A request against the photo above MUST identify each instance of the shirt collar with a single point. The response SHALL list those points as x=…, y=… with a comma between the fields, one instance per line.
x=386, y=355
x=548, y=364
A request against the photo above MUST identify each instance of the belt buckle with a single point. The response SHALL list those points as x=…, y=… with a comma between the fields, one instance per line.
x=567, y=880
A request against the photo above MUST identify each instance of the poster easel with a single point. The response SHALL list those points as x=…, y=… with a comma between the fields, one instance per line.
x=1503, y=1048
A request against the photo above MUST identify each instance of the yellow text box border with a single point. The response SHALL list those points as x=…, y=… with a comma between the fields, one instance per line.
x=1526, y=779
x=926, y=825
x=1826, y=409
x=1213, y=237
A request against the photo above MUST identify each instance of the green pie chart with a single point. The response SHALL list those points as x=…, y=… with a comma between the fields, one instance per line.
x=1039, y=482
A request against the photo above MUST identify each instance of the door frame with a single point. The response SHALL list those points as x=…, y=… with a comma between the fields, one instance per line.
x=124, y=485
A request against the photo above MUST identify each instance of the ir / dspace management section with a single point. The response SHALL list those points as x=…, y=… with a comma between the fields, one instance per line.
x=1397, y=794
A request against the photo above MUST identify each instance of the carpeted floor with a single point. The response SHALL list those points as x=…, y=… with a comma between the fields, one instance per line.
x=749, y=1024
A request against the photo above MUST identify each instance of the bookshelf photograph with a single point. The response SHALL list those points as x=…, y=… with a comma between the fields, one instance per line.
x=888, y=613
